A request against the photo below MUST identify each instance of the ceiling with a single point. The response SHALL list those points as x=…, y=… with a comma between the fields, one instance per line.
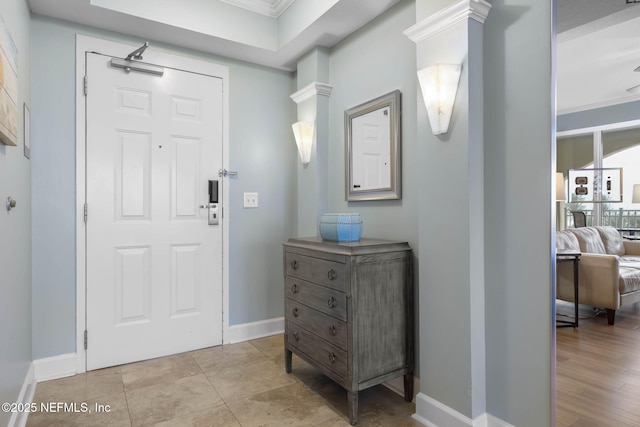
x=274, y=33
x=598, y=49
x=598, y=41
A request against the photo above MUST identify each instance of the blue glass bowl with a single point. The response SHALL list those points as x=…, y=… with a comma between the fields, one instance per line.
x=341, y=227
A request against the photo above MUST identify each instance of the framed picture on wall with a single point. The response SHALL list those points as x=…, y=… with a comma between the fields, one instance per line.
x=8, y=87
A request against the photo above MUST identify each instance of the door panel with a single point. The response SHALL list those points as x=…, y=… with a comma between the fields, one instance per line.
x=186, y=176
x=184, y=280
x=133, y=167
x=132, y=302
x=154, y=265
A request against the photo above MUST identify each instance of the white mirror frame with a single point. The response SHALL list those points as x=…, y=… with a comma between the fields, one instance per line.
x=391, y=101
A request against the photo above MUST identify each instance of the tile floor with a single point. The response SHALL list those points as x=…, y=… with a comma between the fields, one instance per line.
x=233, y=385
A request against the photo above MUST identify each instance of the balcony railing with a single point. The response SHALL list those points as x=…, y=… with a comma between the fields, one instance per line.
x=623, y=219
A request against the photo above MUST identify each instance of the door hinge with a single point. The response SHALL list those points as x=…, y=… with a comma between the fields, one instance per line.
x=86, y=339
x=86, y=210
x=86, y=85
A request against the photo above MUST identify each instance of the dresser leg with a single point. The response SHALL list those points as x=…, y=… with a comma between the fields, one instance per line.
x=287, y=360
x=408, y=387
x=353, y=407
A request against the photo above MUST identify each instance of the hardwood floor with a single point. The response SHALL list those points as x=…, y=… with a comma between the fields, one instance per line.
x=598, y=369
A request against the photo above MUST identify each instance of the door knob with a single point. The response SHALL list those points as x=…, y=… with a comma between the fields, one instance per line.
x=212, y=213
x=11, y=203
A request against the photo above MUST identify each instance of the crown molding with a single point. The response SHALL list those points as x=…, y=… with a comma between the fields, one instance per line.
x=311, y=90
x=447, y=18
x=271, y=8
x=596, y=105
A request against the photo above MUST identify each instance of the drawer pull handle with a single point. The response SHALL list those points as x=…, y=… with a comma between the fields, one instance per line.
x=332, y=357
x=294, y=264
x=294, y=288
x=295, y=312
x=332, y=330
x=332, y=274
x=331, y=302
x=296, y=336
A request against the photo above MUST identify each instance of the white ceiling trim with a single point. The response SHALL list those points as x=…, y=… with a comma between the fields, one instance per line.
x=272, y=8
x=596, y=105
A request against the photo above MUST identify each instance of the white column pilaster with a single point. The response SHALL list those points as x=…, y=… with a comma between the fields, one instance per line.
x=452, y=293
x=312, y=100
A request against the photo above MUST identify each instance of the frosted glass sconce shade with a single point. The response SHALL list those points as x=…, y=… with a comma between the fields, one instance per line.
x=439, y=84
x=560, y=194
x=303, y=132
x=635, y=198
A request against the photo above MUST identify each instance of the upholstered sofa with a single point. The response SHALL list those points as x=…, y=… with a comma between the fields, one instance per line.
x=609, y=268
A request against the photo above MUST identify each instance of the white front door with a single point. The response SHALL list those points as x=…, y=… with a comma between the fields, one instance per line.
x=371, y=135
x=153, y=262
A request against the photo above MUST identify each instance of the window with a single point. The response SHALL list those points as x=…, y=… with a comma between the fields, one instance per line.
x=612, y=146
x=574, y=152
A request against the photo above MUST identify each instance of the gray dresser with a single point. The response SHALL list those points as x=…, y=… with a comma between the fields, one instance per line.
x=349, y=311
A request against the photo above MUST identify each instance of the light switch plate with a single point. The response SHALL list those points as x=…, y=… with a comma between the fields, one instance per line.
x=250, y=200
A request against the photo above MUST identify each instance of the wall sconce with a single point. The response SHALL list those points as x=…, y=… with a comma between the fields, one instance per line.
x=439, y=84
x=635, y=198
x=561, y=196
x=303, y=132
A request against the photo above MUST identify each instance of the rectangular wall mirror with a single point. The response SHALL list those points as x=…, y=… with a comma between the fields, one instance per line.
x=372, y=135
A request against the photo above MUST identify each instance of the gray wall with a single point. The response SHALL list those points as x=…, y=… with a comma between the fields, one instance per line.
x=262, y=150
x=519, y=164
x=600, y=116
x=54, y=190
x=374, y=61
x=15, y=226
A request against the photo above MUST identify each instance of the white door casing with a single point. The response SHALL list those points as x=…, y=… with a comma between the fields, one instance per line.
x=144, y=222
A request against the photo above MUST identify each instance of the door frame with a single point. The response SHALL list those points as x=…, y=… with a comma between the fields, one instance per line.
x=112, y=48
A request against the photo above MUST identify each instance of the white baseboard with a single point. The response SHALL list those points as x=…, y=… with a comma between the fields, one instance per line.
x=65, y=365
x=432, y=413
x=19, y=419
x=253, y=330
x=495, y=422
x=51, y=368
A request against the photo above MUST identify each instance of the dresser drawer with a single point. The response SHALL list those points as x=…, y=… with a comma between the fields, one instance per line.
x=325, y=354
x=326, y=327
x=328, y=273
x=326, y=300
